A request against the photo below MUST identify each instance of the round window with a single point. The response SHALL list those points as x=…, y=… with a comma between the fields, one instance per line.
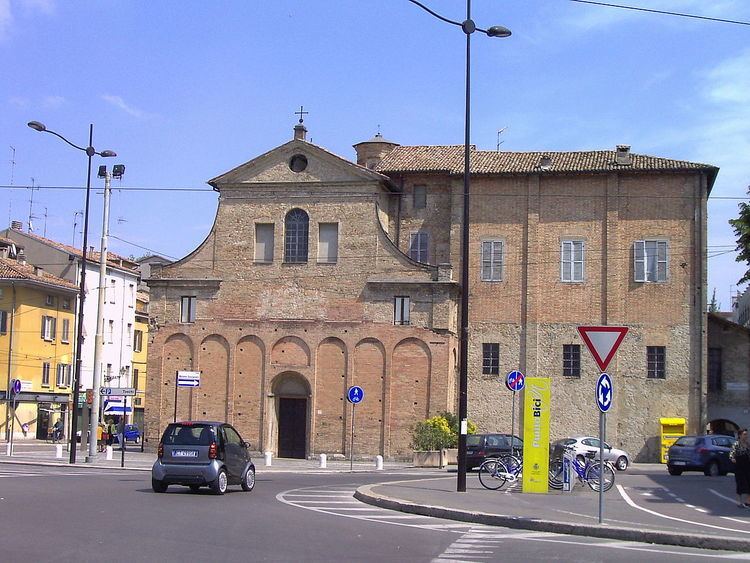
x=298, y=163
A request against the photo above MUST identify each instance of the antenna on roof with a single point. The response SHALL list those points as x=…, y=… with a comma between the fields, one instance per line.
x=499, y=142
x=31, y=205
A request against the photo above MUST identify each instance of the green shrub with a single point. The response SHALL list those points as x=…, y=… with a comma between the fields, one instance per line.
x=438, y=432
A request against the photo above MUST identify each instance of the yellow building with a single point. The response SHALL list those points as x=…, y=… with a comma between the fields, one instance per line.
x=37, y=343
x=140, y=347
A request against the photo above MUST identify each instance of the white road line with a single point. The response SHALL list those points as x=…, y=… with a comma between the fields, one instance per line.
x=628, y=500
x=354, y=501
x=318, y=495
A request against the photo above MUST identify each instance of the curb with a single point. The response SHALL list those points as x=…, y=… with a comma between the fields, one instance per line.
x=366, y=495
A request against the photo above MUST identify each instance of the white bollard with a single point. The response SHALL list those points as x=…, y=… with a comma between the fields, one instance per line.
x=268, y=458
x=379, y=462
x=8, y=451
x=323, y=461
x=58, y=451
x=109, y=453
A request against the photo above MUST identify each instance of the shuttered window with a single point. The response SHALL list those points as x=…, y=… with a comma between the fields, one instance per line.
x=492, y=260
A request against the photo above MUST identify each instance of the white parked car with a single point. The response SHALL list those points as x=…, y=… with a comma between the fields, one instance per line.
x=584, y=444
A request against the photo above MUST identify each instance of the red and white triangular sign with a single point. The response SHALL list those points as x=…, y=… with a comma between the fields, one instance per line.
x=602, y=342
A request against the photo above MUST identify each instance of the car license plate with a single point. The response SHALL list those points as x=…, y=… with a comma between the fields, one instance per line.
x=184, y=453
x=679, y=463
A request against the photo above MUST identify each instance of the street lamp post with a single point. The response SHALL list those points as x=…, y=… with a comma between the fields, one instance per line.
x=90, y=152
x=468, y=26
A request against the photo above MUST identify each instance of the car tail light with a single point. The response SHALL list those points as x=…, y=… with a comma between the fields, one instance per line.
x=160, y=451
x=212, y=451
x=480, y=453
x=703, y=450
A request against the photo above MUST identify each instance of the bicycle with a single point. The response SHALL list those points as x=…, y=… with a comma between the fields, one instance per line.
x=588, y=473
x=495, y=472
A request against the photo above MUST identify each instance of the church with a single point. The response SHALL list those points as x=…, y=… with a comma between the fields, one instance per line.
x=320, y=273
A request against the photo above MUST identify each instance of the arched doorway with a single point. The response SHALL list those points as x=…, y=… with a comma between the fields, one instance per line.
x=723, y=426
x=292, y=393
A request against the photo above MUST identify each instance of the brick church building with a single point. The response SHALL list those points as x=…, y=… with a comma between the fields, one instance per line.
x=320, y=273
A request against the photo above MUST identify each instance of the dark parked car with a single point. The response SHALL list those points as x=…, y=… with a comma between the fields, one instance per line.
x=709, y=454
x=481, y=446
x=202, y=453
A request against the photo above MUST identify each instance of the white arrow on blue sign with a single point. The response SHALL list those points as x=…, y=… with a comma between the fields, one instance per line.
x=515, y=380
x=188, y=379
x=604, y=392
x=355, y=394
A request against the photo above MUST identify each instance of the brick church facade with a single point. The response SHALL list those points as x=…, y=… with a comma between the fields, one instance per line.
x=320, y=273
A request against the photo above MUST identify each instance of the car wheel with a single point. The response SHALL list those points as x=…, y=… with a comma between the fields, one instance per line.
x=137, y=440
x=219, y=486
x=158, y=486
x=674, y=470
x=622, y=463
x=712, y=469
x=194, y=488
x=248, y=479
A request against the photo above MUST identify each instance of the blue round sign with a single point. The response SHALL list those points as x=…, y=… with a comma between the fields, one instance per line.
x=515, y=380
x=604, y=392
x=355, y=394
x=15, y=386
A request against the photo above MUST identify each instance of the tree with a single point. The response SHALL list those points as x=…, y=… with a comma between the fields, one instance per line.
x=741, y=227
x=714, y=306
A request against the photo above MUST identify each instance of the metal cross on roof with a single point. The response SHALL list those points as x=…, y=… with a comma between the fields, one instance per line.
x=301, y=113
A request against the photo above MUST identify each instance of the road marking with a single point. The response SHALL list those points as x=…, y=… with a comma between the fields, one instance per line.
x=628, y=500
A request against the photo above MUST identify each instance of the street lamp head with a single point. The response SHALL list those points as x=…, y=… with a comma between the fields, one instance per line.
x=36, y=126
x=107, y=154
x=498, y=31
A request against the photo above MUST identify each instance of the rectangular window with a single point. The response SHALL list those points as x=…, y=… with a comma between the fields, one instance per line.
x=49, y=300
x=108, y=376
x=714, y=369
x=129, y=335
x=656, y=362
x=3, y=322
x=491, y=358
x=135, y=378
x=328, y=242
x=571, y=360
x=264, y=242
x=112, y=288
x=420, y=197
x=401, y=311
x=111, y=332
x=419, y=247
x=48, y=328
x=492, y=260
x=65, y=336
x=138, y=341
x=131, y=295
x=63, y=375
x=571, y=261
x=45, y=374
x=650, y=258
x=66, y=303
x=187, y=309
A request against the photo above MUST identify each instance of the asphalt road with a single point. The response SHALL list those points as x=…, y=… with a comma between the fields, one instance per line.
x=83, y=514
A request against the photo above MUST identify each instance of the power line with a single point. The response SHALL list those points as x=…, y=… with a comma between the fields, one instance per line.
x=663, y=12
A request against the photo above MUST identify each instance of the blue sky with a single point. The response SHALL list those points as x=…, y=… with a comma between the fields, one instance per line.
x=184, y=91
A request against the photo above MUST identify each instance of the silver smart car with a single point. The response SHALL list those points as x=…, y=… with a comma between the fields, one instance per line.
x=202, y=453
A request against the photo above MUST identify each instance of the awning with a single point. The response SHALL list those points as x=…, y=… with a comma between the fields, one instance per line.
x=114, y=406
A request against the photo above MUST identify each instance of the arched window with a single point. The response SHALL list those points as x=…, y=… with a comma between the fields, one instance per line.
x=296, y=228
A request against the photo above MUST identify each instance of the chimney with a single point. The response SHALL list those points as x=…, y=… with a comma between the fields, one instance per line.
x=300, y=131
x=16, y=225
x=545, y=163
x=38, y=271
x=4, y=252
x=21, y=256
x=623, y=156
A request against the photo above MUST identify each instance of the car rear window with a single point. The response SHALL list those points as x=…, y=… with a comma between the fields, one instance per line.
x=188, y=435
x=474, y=439
x=687, y=441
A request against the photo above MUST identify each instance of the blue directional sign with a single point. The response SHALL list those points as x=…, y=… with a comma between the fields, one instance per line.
x=604, y=392
x=188, y=379
x=355, y=394
x=515, y=380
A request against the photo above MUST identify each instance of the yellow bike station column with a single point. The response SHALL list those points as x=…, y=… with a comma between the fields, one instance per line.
x=536, y=415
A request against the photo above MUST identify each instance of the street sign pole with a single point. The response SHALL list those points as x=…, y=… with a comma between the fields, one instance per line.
x=354, y=395
x=351, y=444
x=176, y=375
x=602, y=426
x=513, y=423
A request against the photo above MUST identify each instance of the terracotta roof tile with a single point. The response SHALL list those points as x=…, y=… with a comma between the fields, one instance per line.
x=450, y=159
x=13, y=270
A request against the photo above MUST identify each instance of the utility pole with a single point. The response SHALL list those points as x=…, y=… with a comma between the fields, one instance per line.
x=99, y=339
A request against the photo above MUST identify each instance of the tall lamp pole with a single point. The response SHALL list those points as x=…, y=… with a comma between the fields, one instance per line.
x=468, y=26
x=90, y=152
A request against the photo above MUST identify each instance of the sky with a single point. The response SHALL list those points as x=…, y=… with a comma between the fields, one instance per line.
x=186, y=90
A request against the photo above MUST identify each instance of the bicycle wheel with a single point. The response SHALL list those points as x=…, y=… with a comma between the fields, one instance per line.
x=492, y=474
x=512, y=463
x=556, y=474
x=607, y=476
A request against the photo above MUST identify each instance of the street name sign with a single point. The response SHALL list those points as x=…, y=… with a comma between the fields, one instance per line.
x=604, y=392
x=602, y=342
x=117, y=391
x=188, y=379
x=355, y=394
x=515, y=380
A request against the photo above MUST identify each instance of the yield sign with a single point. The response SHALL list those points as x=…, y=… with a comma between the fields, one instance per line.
x=602, y=342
